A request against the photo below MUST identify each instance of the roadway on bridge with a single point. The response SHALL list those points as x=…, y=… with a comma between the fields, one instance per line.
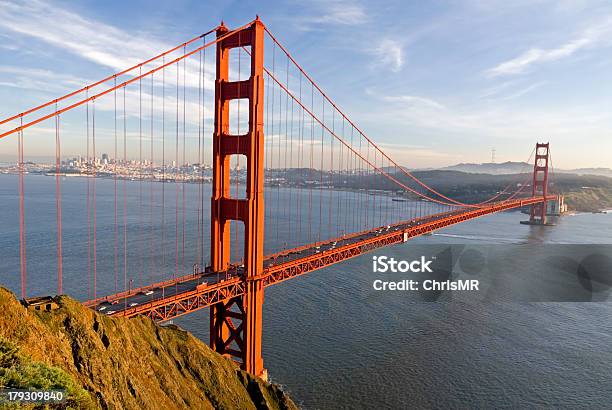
x=116, y=305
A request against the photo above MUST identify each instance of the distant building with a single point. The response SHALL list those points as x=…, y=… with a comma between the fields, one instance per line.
x=40, y=303
x=105, y=159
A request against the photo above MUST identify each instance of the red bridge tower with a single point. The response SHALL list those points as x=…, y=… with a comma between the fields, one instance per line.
x=540, y=184
x=236, y=324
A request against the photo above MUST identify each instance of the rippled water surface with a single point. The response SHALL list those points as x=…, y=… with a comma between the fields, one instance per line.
x=525, y=339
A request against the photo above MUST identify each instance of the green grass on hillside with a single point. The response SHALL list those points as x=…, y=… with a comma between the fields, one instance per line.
x=20, y=372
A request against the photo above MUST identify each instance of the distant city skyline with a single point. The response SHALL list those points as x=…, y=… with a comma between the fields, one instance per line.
x=434, y=84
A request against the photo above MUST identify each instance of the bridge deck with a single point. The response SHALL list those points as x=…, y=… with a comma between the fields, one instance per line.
x=173, y=298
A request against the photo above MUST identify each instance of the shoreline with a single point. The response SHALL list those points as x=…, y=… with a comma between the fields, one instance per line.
x=602, y=209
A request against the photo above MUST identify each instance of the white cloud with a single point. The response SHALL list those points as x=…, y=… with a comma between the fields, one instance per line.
x=389, y=54
x=523, y=91
x=334, y=12
x=93, y=40
x=89, y=39
x=38, y=79
x=591, y=37
x=340, y=13
x=493, y=121
x=411, y=152
x=497, y=89
x=414, y=101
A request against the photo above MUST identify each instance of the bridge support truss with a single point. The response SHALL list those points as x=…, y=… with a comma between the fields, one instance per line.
x=540, y=184
x=236, y=323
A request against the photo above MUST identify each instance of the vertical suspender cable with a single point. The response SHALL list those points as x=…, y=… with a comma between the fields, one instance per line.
x=368, y=179
x=58, y=204
x=199, y=208
x=163, y=187
x=376, y=183
x=22, y=227
x=125, y=164
x=300, y=165
x=321, y=178
x=386, y=203
x=176, y=182
x=93, y=184
x=290, y=183
x=272, y=136
x=311, y=169
x=359, y=162
x=115, y=159
x=203, y=149
x=88, y=166
x=183, y=165
x=341, y=193
x=280, y=156
x=330, y=188
x=267, y=149
x=140, y=177
x=151, y=182
x=287, y=205
x=354, y=188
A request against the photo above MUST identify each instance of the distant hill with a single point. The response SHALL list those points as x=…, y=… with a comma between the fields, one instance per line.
x=491, y=168
x=506, y=168
x=603, y=172
x=586, y=193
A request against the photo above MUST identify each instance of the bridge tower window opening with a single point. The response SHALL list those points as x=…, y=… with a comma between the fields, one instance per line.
x=239, y=116
x=240, y=62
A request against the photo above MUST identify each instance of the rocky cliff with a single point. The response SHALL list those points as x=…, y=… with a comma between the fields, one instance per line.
x=117, y=363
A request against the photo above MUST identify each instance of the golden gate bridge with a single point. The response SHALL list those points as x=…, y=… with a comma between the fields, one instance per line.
x=296, y=185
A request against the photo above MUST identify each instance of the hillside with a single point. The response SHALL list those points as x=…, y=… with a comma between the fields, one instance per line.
x=117, y=363
x=501, y=168
x=491, y=168
x=583, y=193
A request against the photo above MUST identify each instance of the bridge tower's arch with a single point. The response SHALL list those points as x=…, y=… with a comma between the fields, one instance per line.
x=236, y=324
x=540, y=184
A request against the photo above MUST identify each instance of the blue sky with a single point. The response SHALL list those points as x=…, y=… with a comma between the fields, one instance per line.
x=436, y=82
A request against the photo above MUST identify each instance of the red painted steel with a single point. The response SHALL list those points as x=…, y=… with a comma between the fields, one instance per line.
x=228, y=289
x=186, y=302
x=135, y=291
x=236, y=323
x=540, y=184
